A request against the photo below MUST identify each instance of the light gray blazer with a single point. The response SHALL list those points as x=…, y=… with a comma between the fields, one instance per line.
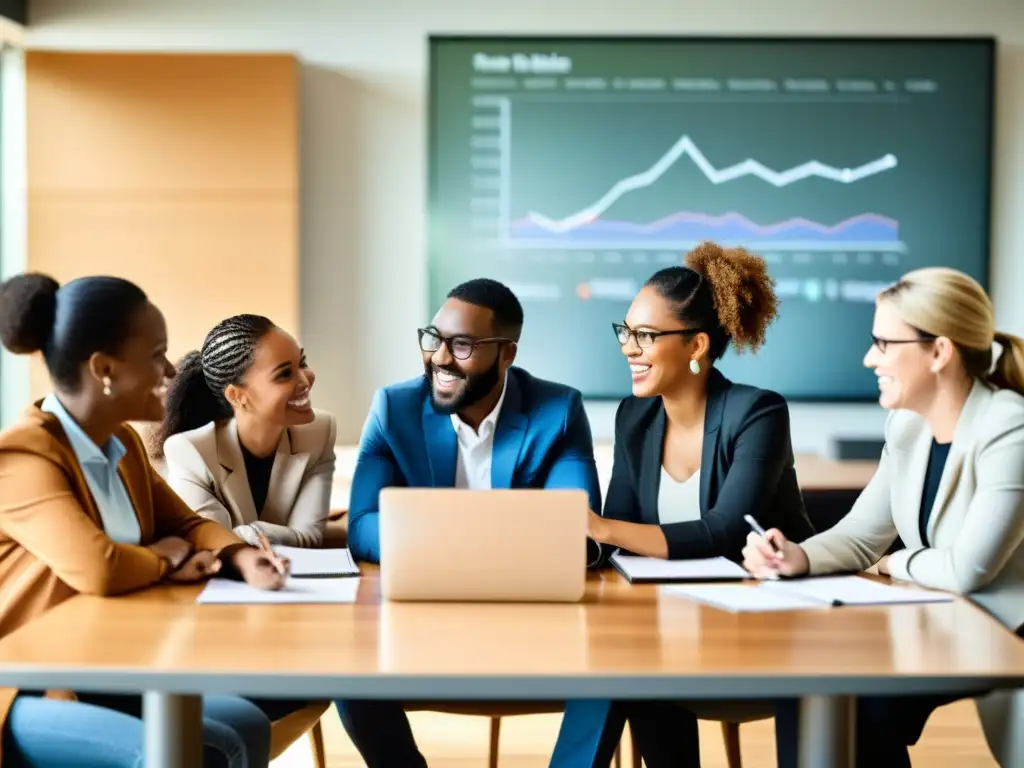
x=205, y=467
x=975, y=530
x=977, y=524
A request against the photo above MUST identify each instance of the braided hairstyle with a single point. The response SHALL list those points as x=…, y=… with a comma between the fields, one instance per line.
x=196, y=394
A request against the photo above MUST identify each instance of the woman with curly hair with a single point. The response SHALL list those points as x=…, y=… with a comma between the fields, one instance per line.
x=694, y=454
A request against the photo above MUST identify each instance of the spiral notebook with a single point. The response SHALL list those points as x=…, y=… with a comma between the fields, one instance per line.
x=318, y=563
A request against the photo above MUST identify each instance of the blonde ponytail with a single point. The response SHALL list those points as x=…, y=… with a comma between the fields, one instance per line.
x=1009, y=369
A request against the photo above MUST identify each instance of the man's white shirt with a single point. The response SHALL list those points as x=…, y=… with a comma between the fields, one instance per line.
x=473, y=467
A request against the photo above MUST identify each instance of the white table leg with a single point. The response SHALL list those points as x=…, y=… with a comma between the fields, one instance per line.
x=173, y=726
x=827, y=727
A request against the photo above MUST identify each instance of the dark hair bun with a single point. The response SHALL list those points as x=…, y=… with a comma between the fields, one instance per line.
x=28, y=307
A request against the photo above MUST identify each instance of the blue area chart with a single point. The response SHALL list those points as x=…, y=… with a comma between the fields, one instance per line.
x=729, y=227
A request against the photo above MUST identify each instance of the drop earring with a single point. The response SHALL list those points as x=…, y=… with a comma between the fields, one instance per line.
x=106, y=386
x=694, y=367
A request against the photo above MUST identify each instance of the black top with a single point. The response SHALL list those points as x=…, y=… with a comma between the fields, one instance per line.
x=936, y=463
x=746, y=468
x=258, y=471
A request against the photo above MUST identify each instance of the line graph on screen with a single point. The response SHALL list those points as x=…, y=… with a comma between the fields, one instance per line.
x=592, y=227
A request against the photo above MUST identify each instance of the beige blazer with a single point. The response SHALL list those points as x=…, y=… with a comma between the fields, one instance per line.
x=205, y=467
x=975, y=530
x=977, y=524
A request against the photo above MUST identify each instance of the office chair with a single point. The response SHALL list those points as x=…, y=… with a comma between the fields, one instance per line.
x=287, y=730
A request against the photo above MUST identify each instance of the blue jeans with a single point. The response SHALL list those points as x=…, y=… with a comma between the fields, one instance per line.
x=665, y=732
x=49, y=733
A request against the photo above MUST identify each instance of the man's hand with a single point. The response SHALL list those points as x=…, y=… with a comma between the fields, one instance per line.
x=258, y=569
x=172, y=549
x=202, y=565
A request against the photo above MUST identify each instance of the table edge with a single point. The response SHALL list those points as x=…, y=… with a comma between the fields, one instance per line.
x=504, y=687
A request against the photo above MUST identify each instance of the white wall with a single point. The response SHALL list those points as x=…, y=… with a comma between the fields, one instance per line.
x=14, y=374
x=363, y=140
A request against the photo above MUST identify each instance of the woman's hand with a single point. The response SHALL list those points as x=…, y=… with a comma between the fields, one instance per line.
x=597, y=527
x=172, y=549
x=201, y=565
x=258, y=569
x=883, y=566
x=772, y=555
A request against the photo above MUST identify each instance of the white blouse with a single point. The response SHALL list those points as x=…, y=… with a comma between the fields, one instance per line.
x=678, y=502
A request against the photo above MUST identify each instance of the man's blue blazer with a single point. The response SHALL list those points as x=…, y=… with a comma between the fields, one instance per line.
x=542, y=440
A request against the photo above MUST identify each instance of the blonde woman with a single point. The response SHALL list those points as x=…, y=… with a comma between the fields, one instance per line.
x=950, y=485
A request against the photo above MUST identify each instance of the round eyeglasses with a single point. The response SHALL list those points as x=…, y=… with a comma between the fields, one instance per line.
x=460, y=347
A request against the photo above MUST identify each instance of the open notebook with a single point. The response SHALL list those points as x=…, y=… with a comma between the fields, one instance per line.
x=653, y=570
x=318, y=563
x=803, y=594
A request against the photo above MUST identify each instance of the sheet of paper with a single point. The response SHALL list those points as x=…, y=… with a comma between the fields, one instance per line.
x=655, y=569
x=319, y=562
x=739, y=598
x=228, y=591
x=854, y=590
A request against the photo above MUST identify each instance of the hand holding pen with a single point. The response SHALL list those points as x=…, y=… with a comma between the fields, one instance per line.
x=279, y=565
x=769, y=555
x=260, y=566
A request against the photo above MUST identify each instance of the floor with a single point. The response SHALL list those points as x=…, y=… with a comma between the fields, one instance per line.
x=953, y=739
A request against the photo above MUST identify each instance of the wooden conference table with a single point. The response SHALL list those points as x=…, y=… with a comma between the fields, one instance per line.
x=623, y=641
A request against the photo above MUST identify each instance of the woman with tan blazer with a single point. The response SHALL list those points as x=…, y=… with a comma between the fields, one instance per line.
x=243, y=445
x=82, y=511
x=949, y=486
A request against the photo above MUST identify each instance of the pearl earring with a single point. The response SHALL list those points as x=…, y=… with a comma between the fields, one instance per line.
x=694, y=367
x=106, y=386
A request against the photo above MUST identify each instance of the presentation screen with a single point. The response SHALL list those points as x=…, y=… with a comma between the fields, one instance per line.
x=572, y=169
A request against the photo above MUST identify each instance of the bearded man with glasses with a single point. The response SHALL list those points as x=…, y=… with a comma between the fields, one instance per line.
x=475, y=421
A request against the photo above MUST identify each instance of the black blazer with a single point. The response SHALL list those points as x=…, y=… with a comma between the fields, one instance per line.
x=746, y=468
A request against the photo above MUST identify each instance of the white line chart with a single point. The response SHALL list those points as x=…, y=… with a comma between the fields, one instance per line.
x=749, y=167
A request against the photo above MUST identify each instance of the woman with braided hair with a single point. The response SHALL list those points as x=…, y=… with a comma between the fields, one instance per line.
x=243, y=445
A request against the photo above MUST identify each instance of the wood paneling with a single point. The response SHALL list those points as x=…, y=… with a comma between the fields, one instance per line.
x=179, y=172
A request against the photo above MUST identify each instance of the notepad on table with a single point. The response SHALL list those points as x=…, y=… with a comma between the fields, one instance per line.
x=318, y=563
x=639, y=570
x=804, y=594
x=741, y=598
x=853, y=590
x=295, y=590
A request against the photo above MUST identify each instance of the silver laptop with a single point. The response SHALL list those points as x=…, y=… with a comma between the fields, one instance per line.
x=448, y=544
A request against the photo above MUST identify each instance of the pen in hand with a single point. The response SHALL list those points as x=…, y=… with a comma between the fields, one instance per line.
x=764, y=535
x=271, y=555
